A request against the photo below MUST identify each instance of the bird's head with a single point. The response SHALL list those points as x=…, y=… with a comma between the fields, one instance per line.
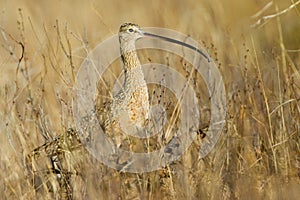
x=130, y=32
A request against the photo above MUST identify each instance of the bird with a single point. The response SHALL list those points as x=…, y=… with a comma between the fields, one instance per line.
x=129, y=110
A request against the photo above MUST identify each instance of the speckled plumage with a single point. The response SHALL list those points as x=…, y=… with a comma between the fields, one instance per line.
x=130, y=107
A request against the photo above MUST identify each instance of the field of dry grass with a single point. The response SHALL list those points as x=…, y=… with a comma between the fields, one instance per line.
x=256, y=46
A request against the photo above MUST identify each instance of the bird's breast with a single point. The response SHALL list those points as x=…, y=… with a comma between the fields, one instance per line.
x=138, y=106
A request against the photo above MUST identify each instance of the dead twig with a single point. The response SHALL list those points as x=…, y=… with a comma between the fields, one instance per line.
x=262, y=21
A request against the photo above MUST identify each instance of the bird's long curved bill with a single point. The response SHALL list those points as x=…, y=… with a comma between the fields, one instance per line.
x=179, y=43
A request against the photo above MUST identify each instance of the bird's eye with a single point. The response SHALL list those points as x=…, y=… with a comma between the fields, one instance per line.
x=130, y=30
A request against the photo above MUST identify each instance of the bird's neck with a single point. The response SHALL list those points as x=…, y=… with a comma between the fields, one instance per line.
x=130, y=61
x=132, y=67
x=129, y=55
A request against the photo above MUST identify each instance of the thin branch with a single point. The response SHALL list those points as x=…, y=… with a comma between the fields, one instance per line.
x=293, y=50
x=259, y=13
x=10, y=48
x=282, y=104
x=101, y=18
x=264, y=19
x=60, y=40
x=4, y=33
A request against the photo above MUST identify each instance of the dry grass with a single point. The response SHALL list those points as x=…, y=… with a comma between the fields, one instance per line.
x=258, y=155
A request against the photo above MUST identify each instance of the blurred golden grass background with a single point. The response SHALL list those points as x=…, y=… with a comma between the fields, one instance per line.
x=258, y=155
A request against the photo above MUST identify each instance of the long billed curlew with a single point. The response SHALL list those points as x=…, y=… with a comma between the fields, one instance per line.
x=129, y=110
